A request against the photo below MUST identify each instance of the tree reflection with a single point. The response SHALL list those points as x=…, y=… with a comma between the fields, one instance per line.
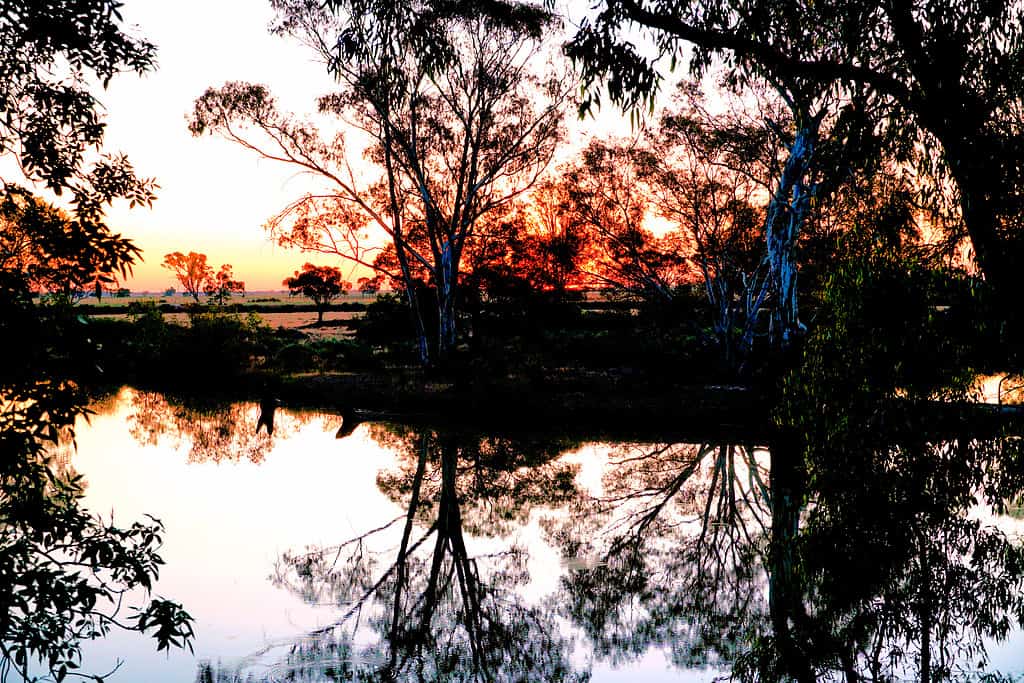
x=432, y=609
x=213, y=431
x=892, y=573
x=670, y=553
x=879, y=571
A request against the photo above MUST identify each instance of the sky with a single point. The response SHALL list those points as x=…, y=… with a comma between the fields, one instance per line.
x=214, y=197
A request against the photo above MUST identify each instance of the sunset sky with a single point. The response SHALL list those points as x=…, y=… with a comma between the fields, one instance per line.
x=214, y=197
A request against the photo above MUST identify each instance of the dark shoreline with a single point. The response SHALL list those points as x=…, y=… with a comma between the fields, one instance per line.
x=589, y=407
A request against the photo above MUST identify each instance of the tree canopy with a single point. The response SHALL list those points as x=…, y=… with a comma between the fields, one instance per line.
x=322, y=284
x=947, y=74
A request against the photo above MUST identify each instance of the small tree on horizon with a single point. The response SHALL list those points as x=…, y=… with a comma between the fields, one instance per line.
x=322, y=284
x=220, y=286
x=191, y=270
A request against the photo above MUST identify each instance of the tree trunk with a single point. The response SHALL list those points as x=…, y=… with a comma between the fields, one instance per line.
x=446, y=293
x=786, y=215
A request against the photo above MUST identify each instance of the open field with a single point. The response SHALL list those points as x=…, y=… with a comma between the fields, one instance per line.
x=250, y=299
x=296, y=312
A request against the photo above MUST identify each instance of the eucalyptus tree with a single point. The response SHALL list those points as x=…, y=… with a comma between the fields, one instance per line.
x=458, y=121
x=708, y=175
x=947, y=75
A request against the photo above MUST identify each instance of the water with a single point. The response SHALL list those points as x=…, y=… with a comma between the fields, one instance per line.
x=625, y=562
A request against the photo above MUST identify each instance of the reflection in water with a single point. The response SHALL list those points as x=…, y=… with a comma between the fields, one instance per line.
x=870, y=562
x=679, y=536
x=888, y=574
x=680, y=549
x=431, y=609
x=213, y=431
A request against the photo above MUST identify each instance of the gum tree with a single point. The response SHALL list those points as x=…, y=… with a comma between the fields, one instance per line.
x=191, y=270
x=945, y=73
x=457, y=122
x=322, y=284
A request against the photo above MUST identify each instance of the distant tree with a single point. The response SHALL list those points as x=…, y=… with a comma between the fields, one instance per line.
x=554, y=245
x=192, y=271
x=220, y=286
x=322, y=284
x=610, y=200
x=123, y=293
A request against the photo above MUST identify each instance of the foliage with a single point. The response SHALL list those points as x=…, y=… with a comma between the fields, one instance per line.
x=65, y=572
x=191, y=270
x=196, y=275
x=385, y=323
x=50, y=51
x=56, y=253
x=322, y=284
x=220, y=286
x=892, y=359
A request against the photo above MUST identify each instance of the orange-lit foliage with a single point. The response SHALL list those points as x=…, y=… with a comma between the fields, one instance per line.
x=220, y=286
x=191, y=270
x=56, y=253
x=196, y=275
x=609, y=198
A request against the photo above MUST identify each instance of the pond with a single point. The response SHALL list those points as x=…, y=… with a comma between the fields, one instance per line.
x=411, y=553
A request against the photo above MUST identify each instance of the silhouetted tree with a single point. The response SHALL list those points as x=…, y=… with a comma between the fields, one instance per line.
x=458, y=124
x=608, y=197
x=322, y=284
x=55, y=252
x=65, y=574
x=946, y=74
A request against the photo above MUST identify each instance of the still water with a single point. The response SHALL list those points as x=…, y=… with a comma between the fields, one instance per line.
x=412, y=554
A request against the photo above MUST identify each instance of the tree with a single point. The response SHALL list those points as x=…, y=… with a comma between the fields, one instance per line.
x=707, y=175
x=322, y=284
x=608, y=198
x=946, y=73
x=459, y=126
x=369, y=285
x=55, y=252
x=220, y=286
x=192, y=271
